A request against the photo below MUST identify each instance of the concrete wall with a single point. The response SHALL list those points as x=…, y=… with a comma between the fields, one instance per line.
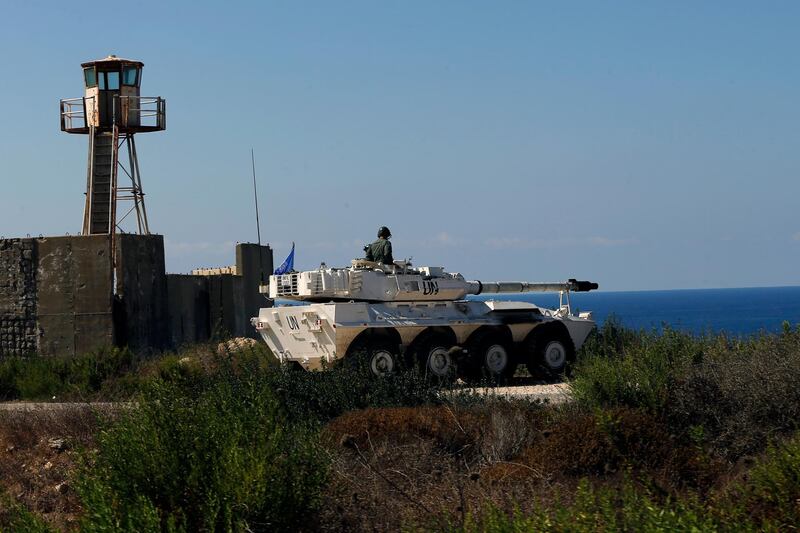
x=18, y=333
x=61, y=296
x=74, y=303
x=188, y=305
x=141, y=293
x=216, y=303
x=254, y=270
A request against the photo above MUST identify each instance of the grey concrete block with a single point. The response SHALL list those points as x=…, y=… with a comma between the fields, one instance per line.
x=253, y=270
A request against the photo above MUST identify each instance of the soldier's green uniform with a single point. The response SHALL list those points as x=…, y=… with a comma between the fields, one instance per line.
x=380, y=251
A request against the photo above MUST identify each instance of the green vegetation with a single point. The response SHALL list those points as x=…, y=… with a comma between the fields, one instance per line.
x=730, y=394
x=15, y=517
x=600, y=509
x=766, y=501
x=108, y=374
x=669, y=432
x=215, y=454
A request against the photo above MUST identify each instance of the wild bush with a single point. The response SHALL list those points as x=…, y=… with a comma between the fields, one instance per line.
x=37, y=378
x=766, y=499
x=14, y=517
x=771, y=491
x=322, y=396
x=633, y=370
x=609, y=340
x=741, y=395
x=213, y=454
x=107, y=373
x=593, y=509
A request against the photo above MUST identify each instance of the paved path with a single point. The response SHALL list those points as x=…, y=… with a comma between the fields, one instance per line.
x=551, y=393
x=21, y=407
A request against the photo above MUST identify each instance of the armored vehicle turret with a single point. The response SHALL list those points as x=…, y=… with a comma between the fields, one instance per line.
x=388, y=316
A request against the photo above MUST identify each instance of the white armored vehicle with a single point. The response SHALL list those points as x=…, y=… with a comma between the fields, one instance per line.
x=387, y=316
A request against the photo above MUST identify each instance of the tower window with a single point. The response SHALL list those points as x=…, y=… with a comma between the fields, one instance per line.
x=90, y=77
x=129, y=76
x=113, y=81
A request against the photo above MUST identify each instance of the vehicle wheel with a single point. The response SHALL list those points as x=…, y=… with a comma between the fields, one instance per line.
x=436, y=358
x=491, y=357
x=550, y=356
x=383, y=359
x=380, y=358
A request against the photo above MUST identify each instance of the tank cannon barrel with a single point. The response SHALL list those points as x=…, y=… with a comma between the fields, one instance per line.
x=497, y=287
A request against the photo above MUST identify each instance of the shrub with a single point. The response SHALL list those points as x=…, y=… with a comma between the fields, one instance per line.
x=629, y=508
x=772, y=491
x=743, y=393
x=322, y=396
x=35, y=378
x=639, y=374
x=211, y=454
x=9, y=369
x=14, y=517
x=609, y=340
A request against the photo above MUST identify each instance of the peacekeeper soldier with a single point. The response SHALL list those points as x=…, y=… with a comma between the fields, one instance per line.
x=380, y=251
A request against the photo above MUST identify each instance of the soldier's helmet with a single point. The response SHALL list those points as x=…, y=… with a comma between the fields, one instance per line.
x=384, y=232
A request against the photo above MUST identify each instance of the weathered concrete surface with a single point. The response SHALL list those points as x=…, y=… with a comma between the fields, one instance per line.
x=74, y=294
x=141, y=292
x=18, y=333
x=61, y=296
x=254, y=270
x=225, y=298
x=188, y=304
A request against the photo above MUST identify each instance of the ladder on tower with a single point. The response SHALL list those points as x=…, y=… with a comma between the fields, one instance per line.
x=99, y=215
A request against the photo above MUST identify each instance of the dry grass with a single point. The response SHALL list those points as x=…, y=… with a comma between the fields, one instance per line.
x=39, y=450
x=432, y=466
x=423, y=466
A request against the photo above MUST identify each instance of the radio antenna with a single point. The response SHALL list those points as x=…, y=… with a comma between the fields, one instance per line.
x=258, y=223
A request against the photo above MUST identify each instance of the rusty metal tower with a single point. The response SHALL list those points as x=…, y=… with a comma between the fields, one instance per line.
x=110, y=113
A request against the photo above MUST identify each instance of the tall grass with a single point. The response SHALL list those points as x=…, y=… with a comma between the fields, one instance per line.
x=14, y=517
x=37, y=378
x=618, y=367
x=732, y=394
x=765, y=500
x=213, y=454
x=322, y=396
x=630, y=508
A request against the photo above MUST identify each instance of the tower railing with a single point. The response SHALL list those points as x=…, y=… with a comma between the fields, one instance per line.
x=149, y=112
x=73, y=114
x=131, y=114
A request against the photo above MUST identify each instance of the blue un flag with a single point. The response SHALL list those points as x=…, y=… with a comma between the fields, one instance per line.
x=287, y=265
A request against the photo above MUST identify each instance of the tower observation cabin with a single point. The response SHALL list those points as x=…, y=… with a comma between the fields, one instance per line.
x=111, y=112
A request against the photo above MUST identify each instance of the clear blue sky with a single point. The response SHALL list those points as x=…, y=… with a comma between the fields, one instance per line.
x=639, y=144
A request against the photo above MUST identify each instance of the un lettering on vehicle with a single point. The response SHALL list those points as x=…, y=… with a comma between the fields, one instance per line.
x=430, y=287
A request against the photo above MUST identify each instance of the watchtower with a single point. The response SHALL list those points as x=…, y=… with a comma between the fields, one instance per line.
x=110, y=113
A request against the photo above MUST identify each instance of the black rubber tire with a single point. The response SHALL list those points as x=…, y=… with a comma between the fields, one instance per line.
x=491, y=358
x=384, y=359
x=436, y=359
x=550, y=355
x=378, y=357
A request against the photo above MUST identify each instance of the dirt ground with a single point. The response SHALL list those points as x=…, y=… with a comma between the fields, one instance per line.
x=40, y=444
x=39, y=447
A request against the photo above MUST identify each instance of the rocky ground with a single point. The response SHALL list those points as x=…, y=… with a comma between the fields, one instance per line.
x=39, y=451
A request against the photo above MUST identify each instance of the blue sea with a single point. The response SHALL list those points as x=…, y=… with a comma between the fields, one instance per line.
x=733, y=311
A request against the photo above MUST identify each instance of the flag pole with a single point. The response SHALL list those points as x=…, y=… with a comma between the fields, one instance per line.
x=258, y=223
